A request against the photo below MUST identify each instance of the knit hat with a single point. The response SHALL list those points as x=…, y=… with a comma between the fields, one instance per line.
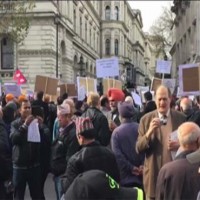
x=96, y=184
x=9, y=97
x=63, y=109
x=21, y=98
x=115, y=94
x=84, y=127
x=126, y=110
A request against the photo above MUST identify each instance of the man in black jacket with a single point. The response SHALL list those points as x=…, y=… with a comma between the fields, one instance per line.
x=26, y=152
x=99, y=120
x=91, y=156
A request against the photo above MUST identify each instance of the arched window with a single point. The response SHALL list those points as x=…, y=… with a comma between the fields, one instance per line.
x=7, y=53
x=116, y=13
x=116, y=47
x=107, y=47
x=107, y=13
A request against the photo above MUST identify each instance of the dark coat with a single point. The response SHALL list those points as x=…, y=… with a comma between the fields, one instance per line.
x=178, y=179
x=100, y=123
x=5, y=156
x=153, y=148
x=123, y=143
x=25, y=154
x=65, y=145
x=91, y=156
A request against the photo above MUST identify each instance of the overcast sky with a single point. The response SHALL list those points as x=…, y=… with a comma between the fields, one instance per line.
x=150, y=10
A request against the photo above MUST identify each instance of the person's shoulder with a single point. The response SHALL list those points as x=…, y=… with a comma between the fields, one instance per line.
x=178, y=114
x=148, y=115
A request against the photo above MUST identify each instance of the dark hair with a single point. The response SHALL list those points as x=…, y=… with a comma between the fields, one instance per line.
x=59, y=100
x=78, y=105
x=88, y=134
x=104, y=100
x=24, y=101
x=64, y=96
x=148, y=96
x=40, y=95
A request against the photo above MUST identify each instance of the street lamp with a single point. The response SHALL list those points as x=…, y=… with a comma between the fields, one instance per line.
x=81, y=66
x=57, y=23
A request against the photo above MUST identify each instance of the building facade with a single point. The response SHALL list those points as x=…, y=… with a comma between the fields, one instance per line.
x=186, y=31
x=66, y=37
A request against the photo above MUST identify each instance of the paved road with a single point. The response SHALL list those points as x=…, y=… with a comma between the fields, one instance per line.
x=49, y=190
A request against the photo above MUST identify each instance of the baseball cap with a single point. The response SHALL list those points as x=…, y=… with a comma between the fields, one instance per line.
x=96, y=184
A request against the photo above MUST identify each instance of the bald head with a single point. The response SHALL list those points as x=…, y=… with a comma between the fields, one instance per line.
x=185, y=104
x=188, y=135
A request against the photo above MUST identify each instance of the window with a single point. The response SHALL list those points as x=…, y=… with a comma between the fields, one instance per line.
x=74, y=20
x=7, y=54
x=85, y=30
x=116, y=13
x=80, y=27
x=116, y=47
x=107, y=47
x=107, y=13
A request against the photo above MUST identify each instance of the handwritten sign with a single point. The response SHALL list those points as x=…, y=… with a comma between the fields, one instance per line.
x=163, y=66
x=107, y=67
x=12, y=88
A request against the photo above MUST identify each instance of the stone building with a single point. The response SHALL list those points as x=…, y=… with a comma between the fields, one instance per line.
x=186, y=31
x=66, y=37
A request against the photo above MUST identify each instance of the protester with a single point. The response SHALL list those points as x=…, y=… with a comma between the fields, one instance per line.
x=96, y=184
x=99, y=120
x=154, y=138
x=91, y=156
x=180, y=179
x=64, y=146
x=123, y=143
x=26, y=154
x=186, y=107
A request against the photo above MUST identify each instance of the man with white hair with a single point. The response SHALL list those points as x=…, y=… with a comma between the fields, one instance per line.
x=180, y=179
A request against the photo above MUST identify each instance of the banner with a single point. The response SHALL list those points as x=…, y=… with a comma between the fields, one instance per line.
x=19, y=77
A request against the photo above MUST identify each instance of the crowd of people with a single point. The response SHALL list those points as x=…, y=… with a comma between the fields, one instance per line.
x=104, y=147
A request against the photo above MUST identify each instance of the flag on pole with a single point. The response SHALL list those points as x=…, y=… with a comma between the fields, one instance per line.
x=19, y=77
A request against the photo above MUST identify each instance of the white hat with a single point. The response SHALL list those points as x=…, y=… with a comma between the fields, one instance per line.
x=63, y=109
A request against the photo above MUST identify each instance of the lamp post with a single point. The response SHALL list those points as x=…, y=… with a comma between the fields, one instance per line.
x=56, y=23
x=81, y=66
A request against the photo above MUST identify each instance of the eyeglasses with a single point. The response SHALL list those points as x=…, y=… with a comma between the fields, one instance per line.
x=27, y=107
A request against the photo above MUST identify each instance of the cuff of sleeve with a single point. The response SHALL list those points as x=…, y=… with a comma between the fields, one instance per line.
x=24, y=126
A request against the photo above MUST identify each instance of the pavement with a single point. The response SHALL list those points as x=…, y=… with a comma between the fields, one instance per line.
x=49, y=190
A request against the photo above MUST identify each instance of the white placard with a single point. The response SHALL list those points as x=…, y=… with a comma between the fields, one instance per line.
x=137, y=98
x=12, y=88
x=107, y=67
x=170, y=83
x=33, y=132
x=174, y=137
x=163, y=66
x=181, y=92
x=81, y=93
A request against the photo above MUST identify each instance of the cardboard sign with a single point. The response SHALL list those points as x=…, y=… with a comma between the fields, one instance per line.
x=71, y=90
x=90, y=84
x=46, y=84
x=189, y=79
x=156, y=82
x=117, y=84
x=12, y=88
x=163, y=66
x=107, y=67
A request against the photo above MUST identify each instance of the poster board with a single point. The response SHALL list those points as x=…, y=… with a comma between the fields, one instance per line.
x=107, y=67
x=189, y=79
x=163, y=66
x=12, y=88
x=71, y=90
x=156, y=82
x=117, y=84
x=46, y=84
x=170, y=83
x=90, y=84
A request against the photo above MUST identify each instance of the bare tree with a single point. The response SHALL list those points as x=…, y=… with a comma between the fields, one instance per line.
x=161, y=31
x=15, y=18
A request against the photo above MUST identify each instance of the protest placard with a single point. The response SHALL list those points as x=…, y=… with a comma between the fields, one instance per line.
x=107, y=67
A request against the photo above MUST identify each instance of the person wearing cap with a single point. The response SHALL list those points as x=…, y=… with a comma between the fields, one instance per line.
x=99, y=120
x=123, y=141
x=9, y=97
x=64, y=146
x=154, y=138
x=180, y=179
x=99, y=185
x=92, y=155
x=26, y=153
x=115, y=96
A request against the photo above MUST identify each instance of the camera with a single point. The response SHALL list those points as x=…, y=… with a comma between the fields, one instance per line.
x=163, y=121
